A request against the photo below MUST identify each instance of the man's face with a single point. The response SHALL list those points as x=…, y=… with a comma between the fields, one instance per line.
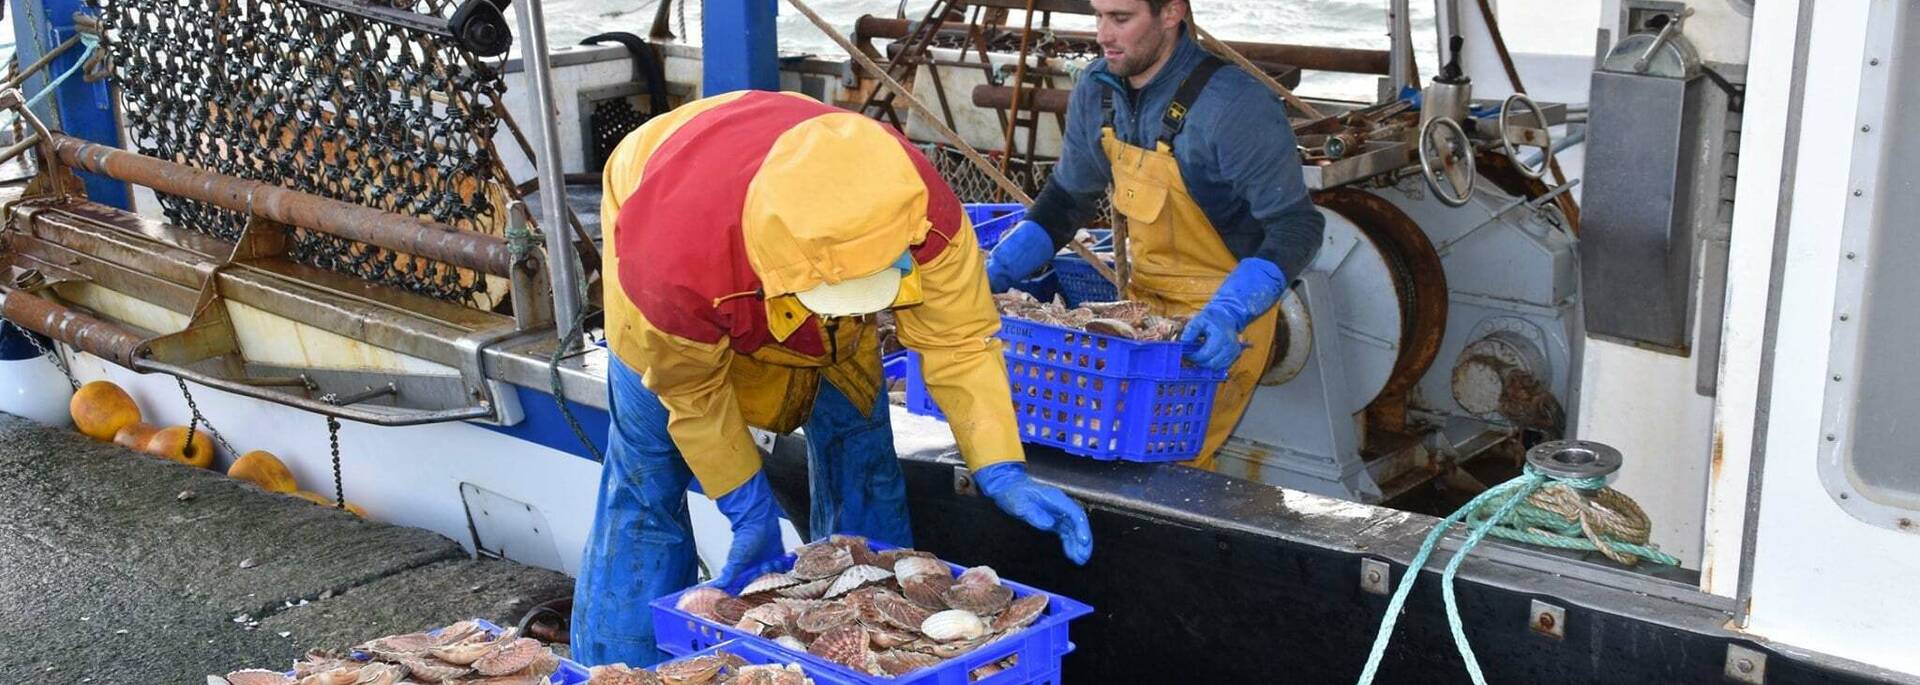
x=1132, y=37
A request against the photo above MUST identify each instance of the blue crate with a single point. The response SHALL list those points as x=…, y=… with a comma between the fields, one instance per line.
x=1080, y=283
x=1096, y=395
x=569, y=673
x=893, y=365
x=1031, y=656
x=992, y=220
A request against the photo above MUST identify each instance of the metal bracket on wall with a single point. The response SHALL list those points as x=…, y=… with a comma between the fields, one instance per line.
x=1746, y=665
x=1547, y=619
x=1376, y=577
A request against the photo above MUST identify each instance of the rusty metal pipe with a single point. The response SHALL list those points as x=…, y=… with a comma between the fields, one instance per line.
x=1044, y=100
x=439, y=242
x=1315, y=57
x=87, y=333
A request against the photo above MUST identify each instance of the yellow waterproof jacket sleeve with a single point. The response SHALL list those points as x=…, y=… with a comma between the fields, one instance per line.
x=954, y=331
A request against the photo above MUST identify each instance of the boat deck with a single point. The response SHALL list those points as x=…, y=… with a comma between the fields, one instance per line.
x=111, y=573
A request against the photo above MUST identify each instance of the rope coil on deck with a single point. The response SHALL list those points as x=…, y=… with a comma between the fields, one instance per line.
x=1538, y=509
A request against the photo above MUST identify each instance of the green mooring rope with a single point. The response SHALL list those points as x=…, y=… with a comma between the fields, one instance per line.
x=1508, y=511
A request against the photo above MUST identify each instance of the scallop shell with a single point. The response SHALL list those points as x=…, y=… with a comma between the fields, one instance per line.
x=463, y=653
x=344, y=675
x=855, y=578
x=900, y=662
x=927, y=591
x=396, y=647
x=1113, y=327
x=768, y=582
x=771, y=675
x=856, y=545
x=319, y=661
x=700, y=600
x=886, y=558
x=1124, y=310
x=887, y=609
x=948, y=650
x=953, y=625
x=700, y=670
x=432, y=670
x=507, y=657
x=913, y=567
x=845, y=645
x=766, y=620
x=822, y=619
x=380, y=674
x=729, y=610
x=790, y=642
x=979, y=575
x=458, y=632
x=889, y=639
x=1020, y=613
x=811, y=589
x=258, y=676
x=978, y=598
x=822, y=561
x=611, y=674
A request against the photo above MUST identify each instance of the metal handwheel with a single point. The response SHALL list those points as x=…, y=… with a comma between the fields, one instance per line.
x=1445, y=150
x=1513, y=138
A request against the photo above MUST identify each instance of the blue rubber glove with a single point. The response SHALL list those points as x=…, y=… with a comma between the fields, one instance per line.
x=1247, y=293
x=756, y=528
x=1021, y=253
x=1041, y=506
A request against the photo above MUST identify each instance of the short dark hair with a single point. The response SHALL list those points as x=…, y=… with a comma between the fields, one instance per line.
x=1157, y=5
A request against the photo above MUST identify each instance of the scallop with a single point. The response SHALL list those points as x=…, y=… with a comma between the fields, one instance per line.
x=927, y=591
x=855, y=578
x=857, y=546
x=913, y=567
x=766, y=620
x=699, y=601
x=953, y=625
x=822, y=619
x=892, y=610
x=768, y=582
x=901, y=662
x=729, y=610
x=978, y=598
x=979, y=575
x=700, y=670
x=845, y=645
x=790, y=642
x=431, y=669
x=811, y=589
x=822, y=561
x=1021, y=613
x=508, y=657
x=258, y=676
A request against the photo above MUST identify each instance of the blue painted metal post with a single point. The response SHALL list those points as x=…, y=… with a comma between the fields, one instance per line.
x=79, y=109
x=737, y=46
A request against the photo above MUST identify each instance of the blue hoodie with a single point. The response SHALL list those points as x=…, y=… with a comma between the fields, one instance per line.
x=1237, y=154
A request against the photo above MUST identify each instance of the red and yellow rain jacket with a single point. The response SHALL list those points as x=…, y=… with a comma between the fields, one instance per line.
x=721, y=209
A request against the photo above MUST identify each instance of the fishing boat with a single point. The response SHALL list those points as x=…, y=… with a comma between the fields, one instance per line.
x=1648, y=235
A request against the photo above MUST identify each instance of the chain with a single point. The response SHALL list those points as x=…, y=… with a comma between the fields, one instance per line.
x=333, y=441
x=58, y=361
x=297, y=95
x=198, y=419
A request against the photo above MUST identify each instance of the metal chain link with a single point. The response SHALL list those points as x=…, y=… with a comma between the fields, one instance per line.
x=199, y=419
x=333, y=440
x=321, y=101
x=53, y=356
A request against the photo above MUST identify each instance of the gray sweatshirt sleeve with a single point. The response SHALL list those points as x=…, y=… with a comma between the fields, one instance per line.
x=1262, y=162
